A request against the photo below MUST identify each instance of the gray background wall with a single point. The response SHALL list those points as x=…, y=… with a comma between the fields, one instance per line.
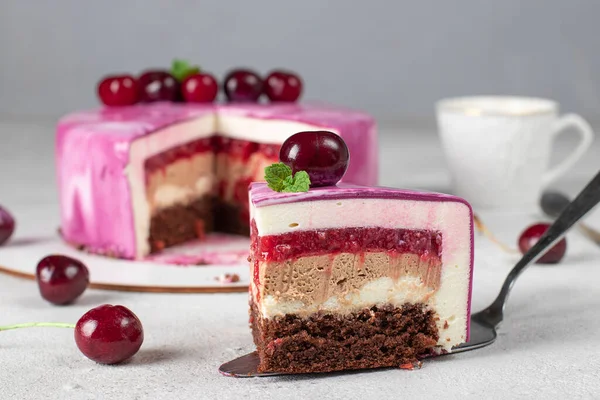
x=392, y=58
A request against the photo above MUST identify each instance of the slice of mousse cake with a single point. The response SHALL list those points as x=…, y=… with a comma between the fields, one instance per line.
x=351, y=277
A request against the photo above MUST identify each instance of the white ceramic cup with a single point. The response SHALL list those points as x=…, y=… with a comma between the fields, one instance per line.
x=498, y=148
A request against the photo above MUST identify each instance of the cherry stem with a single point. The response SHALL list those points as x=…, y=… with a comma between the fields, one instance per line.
x=37, y=324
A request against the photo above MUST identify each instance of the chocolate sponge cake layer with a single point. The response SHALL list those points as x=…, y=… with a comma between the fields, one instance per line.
x=380, y=336
x=180, y=223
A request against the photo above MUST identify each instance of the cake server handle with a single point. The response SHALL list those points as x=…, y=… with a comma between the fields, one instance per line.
x=587, y=199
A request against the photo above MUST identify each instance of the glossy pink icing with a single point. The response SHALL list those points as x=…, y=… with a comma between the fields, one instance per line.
x=92, y=152
x=261, y=196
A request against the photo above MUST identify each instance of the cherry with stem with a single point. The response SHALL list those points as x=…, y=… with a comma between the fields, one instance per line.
x=106, y=334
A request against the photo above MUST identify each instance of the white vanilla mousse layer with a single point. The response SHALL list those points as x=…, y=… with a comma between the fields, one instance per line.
x=262, y=130
x=381, y=291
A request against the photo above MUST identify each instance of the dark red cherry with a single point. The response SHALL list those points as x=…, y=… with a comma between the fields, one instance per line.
x=61, y=279
x=109, y=334
x=7, y=225
x=200, y=88
x=283, y=86
x=118, y=90
x=158, y=86
x=322, y=154
x=532, y=234
x=242, y=85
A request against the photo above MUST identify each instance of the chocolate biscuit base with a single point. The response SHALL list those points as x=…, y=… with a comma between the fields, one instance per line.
x=375, y=337
x=180, y=223
x=230, y=218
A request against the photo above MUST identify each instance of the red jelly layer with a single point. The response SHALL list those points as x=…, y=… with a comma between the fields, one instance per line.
x=186, y=150
x=244, y=149
x=233, y=147
x=346, y=240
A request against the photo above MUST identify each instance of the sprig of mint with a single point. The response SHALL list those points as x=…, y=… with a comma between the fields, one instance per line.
x=279, y=178
x=181, y=69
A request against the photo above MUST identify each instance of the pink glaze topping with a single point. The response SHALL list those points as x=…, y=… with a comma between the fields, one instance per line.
x=262, y=196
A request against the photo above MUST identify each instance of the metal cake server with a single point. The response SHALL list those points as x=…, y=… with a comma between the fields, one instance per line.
x=553, y=203
x=485, y=322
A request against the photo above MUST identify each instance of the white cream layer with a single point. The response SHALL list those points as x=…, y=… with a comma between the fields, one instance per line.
x=382, y=291
x=238, y=127
x=262, y=130
x=452, y=219
x=167, y=195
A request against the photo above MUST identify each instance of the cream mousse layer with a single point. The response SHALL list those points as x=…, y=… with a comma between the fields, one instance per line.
x=348, y=206
x=181, y=182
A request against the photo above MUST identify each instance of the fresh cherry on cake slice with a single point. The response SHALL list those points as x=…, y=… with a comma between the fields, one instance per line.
x=200, y=88
x=106, y=334
x=283, y=86
x=118, y=90
x=242, y=85
x=322, y=154
x=61, y=279
x=158, y=85
x=109, y=334
x=532, y=234
x=7, y=225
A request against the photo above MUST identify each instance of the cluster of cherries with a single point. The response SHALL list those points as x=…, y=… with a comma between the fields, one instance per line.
x=239, y=85
x=107, y=334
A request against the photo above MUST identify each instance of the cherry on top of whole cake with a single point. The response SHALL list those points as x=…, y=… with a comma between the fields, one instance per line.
x=242, y=85
x=309, y=159
x=200, y=88
x=158, y=85
x=118, y=90
x=197, y=86
x=283, y=86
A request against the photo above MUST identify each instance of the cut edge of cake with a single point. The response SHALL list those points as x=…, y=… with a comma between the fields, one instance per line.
x=276, y=215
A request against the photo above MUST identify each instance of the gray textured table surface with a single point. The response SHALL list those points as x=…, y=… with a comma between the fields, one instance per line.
x=547, y=346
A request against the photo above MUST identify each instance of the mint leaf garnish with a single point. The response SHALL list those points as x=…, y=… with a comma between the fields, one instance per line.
x=275, y=174
x=300, y=183
x=181, y=69
x=279, y=178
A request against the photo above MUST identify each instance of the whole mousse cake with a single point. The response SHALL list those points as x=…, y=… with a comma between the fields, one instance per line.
x=352, y=277
x=148, y=171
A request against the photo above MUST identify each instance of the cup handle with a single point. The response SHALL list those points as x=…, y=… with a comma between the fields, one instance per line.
x=586, y=137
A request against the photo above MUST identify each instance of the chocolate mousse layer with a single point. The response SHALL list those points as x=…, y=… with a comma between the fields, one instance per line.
x=383, y=336
x=314, y=279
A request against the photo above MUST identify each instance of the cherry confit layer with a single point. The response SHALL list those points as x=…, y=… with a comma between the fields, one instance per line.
x=347, y=240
